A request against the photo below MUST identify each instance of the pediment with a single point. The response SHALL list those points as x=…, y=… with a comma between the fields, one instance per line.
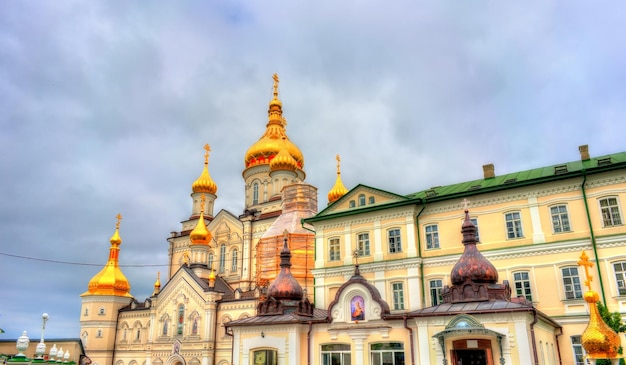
x=356, y=301
x=362, y=197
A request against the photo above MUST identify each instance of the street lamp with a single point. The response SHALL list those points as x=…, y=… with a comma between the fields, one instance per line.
x=40, y=350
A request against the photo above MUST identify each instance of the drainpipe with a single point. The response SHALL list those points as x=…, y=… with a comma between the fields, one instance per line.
x=419, y=250
x=308, y=343
x=593, y=237
x=558, y=348
x=532, y=336
x=410, y=339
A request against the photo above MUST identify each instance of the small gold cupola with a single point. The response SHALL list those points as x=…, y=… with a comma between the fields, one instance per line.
x=283, y=160
x=271, y=143
x=110, y=280
x=338, y=189
x=599, y=340
x=157, y=284
x=204, y=183
x=200, y=235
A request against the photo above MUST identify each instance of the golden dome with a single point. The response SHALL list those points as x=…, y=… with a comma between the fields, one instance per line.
x=599, y=340
x=200, y=235
x=338, y=189
x=283, y=160
x=157, y=284
x=270, y=144
x=110, y=280
x=204, y=184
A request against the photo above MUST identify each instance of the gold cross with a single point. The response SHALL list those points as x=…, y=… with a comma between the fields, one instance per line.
x=275, y=77
x=584, y=261
x=338, y=163
x=119, y=218
x=207, y=148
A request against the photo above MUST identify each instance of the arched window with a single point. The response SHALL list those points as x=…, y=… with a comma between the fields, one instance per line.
x=181, y=319
x=361, y=200
x=99, y=333
x=194, y=328
x=255, y=194
x=372, y=200
x=166, y=325
x=211, y=257
x=101, y=312
x=222, y=258
x=234, y=259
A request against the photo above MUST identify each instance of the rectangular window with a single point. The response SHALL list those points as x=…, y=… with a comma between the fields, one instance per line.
x=363, y=244
x=436, y=288
x=513, y=225
x=521, y=282
x=475, y=222
x=432, y=236
x=610, y=212
x=577, y=347
x=264, y=357
x=387, y=353
x=398, y=296
x=334, y=251
x=571, y=283
x=234, y=260
x=620, y=276
x=395, y=244
x=560, y=219
x=336, y=354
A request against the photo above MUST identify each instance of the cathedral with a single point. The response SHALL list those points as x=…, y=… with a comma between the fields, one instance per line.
x=481, y=272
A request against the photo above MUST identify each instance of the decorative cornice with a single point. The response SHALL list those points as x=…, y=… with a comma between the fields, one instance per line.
x=370, y=218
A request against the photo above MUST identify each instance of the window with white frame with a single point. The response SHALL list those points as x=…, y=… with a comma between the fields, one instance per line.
x=264, y=357
x=334, y=250
x=395, y=244
x=577, y=348
x=398, y=296
x=521, y=282
x=361, y=200
x=513, y=222
x=620, y=277
x=436, y=288
x=352, y=204
x=387, y=353
x=571, y=283
x=609, y=208
x=475, y=223
x=255, y=194
x=363, y=244
x=234, y=260
x=371, y=200
x=222, y=259
x=432, y=236
x=560, y=218
x=211, y=258
x=336, y=354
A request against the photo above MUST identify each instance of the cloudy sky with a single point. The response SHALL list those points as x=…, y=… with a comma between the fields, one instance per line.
x=105, y=107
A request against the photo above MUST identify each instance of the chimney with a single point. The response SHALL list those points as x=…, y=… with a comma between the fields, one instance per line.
x=489, y=171
x=584, y=152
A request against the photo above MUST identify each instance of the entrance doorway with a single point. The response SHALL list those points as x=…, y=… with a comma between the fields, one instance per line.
x=470, y=357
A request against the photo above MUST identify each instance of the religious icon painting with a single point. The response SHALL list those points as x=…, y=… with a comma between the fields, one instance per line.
x=357, y=308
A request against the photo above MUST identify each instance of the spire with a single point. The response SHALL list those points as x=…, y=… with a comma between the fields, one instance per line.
x=338, y=189
x=110, y=280
x=157, y=284
x=200, y=235
x=285, y=286
x=204, y=183
x=472, y=265
x=599, y=340
x=270, y=144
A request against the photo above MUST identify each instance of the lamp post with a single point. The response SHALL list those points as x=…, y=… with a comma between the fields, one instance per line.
x=40, y=350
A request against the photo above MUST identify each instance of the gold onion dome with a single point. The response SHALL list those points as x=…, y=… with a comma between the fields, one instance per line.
x=339, y=189
x=204, y=184
x=599, y=340
x=200, y=235
x=157, y=284
x=110, y=280
x=283, y=160
x=271, y=143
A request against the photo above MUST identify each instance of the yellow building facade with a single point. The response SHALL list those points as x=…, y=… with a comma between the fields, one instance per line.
x=370, y=279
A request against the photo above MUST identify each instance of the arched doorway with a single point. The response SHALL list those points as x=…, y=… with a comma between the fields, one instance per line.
x=472, y=352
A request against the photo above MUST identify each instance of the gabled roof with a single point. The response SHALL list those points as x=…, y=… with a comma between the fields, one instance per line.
x=319, y=316
x=523, y=178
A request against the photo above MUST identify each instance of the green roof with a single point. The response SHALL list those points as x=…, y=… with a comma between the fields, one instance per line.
x=528, y=177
